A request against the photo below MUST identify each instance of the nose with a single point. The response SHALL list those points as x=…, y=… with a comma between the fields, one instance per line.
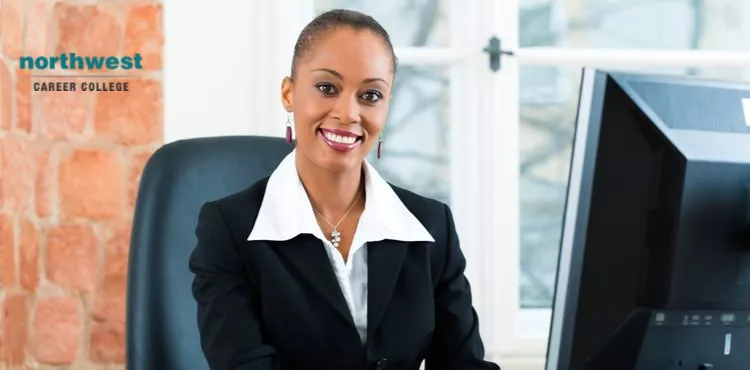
x=346, y=109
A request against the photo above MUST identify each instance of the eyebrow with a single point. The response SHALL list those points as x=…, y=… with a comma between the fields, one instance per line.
x=339, y=75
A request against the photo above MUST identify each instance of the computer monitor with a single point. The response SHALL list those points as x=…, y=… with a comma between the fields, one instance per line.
x=654, y=266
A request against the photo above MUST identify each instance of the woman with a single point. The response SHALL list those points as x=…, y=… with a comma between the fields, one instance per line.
x=324, y=265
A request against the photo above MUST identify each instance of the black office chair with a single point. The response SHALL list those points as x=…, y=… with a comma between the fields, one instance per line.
x=161, y=326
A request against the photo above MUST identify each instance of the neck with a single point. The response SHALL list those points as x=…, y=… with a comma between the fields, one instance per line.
x=331, y=193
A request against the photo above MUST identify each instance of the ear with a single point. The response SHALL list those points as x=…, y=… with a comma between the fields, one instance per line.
x=287, y=96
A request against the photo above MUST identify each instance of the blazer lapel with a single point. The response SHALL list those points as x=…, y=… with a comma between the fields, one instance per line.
x=385, y=259
x=308, y=255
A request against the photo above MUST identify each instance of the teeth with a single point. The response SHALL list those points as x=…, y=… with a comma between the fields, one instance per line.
x=340, y=139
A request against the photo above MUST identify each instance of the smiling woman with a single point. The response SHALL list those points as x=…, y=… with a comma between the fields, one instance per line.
x=351, y=98
x=324, y=264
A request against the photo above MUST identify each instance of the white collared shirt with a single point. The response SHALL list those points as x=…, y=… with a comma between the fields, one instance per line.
x=286, y=212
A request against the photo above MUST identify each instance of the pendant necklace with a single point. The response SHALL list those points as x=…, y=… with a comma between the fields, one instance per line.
x=335, y=234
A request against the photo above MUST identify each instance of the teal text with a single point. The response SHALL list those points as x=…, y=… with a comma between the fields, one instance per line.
x=76, y=62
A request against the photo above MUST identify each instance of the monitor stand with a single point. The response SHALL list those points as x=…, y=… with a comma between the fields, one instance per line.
x=677, y=339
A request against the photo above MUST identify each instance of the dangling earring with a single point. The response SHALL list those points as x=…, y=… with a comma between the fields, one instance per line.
x=289, y=129
x=380, y=146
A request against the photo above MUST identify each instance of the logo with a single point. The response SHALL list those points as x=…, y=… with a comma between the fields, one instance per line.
x=88, y=72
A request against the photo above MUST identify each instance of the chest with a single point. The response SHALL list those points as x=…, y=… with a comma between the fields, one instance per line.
x=346, y=236
x=309, y=291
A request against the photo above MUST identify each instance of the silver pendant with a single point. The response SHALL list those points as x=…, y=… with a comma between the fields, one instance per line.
x=335, y=238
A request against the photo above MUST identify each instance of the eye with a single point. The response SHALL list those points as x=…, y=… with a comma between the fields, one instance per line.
x=326, y=88
x=372, y=96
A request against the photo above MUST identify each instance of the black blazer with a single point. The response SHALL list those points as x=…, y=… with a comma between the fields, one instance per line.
x=262, y=306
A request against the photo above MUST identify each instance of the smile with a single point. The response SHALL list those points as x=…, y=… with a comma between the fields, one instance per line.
x=339, y=140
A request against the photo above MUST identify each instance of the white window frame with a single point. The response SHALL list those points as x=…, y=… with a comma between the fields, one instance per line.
x=525, y=331
x=612, y=60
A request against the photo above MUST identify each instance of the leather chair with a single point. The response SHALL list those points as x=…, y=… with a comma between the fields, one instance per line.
x=161, y=327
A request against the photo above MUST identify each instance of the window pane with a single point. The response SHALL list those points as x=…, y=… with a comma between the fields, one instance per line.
x=643, y=24
x=419, y=110
x=548, y=104
x=549, y=98
x=409, y=23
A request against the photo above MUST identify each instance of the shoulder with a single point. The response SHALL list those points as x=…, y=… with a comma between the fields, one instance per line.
x=432, y=213
x=240, y=209
x=416, y=202
x=437, y=218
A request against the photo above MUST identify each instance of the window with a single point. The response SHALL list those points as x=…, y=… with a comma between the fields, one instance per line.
x=553, y=41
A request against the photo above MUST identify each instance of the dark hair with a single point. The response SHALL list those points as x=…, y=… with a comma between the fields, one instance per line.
x=333, y=19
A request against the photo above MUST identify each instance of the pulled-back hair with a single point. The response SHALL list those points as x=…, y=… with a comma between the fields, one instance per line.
x=333, y=19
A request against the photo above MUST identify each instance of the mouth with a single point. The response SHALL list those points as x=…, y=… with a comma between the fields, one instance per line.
x=340, y=140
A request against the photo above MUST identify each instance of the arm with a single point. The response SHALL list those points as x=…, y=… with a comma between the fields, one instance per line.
x=457, y=344
x=229, y=329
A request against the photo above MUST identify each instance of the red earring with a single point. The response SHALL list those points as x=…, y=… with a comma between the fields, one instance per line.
x=380, y=147
x=288, y=129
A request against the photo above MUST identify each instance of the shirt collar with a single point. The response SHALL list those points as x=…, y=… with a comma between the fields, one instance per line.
x=286, y=210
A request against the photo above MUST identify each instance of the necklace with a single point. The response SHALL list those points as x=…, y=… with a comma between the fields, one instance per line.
x=335, y=234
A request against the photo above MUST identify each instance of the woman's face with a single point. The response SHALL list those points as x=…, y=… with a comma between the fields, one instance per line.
x=340, y=97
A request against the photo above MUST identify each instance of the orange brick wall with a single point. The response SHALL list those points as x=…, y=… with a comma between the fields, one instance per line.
x=69, y=168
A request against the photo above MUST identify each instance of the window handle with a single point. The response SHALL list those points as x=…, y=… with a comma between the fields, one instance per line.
x=495, y=51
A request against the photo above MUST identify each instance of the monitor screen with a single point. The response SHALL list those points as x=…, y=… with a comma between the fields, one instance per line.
x=656, y=222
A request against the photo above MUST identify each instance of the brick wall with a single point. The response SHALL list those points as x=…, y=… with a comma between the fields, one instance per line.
x=69, y=167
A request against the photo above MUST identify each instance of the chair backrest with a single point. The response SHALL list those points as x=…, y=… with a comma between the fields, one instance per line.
x=161, y=327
